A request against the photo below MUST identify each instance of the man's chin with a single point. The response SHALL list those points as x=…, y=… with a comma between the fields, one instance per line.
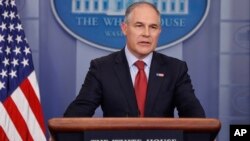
x=145, y=52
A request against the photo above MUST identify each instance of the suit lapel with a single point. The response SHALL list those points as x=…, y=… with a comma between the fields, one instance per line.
x=156, y=77
x=122, y=71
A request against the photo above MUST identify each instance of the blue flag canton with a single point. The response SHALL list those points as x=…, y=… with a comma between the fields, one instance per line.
x=15, y=54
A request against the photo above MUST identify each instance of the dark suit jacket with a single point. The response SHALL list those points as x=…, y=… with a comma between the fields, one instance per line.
x=108, y=83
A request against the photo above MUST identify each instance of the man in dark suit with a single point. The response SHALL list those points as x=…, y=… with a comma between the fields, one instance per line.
x=111, y=80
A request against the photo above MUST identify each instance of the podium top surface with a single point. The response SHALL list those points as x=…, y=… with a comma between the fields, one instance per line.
x=84, y=124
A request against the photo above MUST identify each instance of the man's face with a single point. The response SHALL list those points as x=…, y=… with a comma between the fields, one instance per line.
x=142, y=30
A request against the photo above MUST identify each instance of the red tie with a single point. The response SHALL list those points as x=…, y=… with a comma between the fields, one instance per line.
x=140, y=86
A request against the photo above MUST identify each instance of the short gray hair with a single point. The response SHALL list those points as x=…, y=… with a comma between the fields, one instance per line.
x=136, y=4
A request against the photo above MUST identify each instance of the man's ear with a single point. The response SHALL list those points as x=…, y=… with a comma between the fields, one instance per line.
x=124, y=28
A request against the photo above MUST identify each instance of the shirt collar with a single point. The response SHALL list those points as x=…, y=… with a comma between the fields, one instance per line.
x=132, y=59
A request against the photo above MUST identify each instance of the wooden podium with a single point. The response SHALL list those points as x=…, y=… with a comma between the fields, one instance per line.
x=191, y=128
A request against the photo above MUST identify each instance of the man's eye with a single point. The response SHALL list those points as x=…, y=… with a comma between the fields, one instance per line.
x=154, y=27
x=138, y=25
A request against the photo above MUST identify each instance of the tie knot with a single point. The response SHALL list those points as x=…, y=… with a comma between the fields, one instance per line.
x=140, y=65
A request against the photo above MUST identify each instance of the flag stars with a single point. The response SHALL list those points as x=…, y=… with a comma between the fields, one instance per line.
x=11, y=27
x=18, y=38
x=27, y=51
x=6, y=62
x=5, y=14
x=2, y=85
x=3, y=73
x=10, y=38
x=12, y=3
x=12, y=74
x=14, y=62
x=1, y=38
x=12, y=15
x=18, y=27
x=17, y=16
x=15, y=53
x=25, y=62
x=7, y=50
x=17, y=50
x=3, y=26
x=6, y=3
x=25, y=39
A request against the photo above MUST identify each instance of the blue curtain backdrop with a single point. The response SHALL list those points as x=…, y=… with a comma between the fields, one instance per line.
x=217, y=56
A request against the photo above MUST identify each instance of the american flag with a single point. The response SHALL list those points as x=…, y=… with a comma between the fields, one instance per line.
x=21, y=116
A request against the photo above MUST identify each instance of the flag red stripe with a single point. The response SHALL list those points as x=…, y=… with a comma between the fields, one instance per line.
x=17, y=119
x=3, y=136
x=33, y=101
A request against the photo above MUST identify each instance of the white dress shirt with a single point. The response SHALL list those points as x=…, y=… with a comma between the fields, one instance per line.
x=131, y=61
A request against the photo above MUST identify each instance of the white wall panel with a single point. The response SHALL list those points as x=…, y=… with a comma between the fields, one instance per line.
x=235, y=9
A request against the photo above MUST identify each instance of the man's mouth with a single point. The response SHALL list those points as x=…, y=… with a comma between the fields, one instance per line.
x=144, y=43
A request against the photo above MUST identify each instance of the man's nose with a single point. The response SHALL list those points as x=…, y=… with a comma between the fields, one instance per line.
x=146, y=32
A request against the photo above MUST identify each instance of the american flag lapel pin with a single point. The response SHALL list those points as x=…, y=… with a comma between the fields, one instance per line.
x=160, y=74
